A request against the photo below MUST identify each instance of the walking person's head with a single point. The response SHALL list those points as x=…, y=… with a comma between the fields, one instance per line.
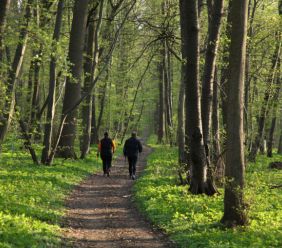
x=133, y=134
x=106, y=134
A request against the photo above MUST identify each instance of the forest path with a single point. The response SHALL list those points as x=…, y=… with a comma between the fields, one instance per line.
x=101, y=213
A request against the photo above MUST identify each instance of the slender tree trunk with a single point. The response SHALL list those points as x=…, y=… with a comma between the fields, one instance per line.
x=49, y=126
x=215, y=13
x=4, y=8
x=73, y=87
x=217, y=156
x=167, y=93
x=90, y=65
x=161, y=127
x=280, y=141
x=275, y=108
x=193, y=128
x=94, y=132
x=182, y=156
x=225, y=68
x=13, y=74
x=234, y=205
x=251, y=16
x=265, y=105
x=181, y=125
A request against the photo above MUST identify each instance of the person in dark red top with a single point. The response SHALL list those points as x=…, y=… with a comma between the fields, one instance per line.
x=131, y=149
x=106, y=148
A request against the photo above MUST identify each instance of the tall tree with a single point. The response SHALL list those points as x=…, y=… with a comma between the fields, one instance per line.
x=275, y=107
x=193, y=127
x=215, y=9
x=234, y=205
x=161, y=105
x=90, y=66
x=73, y=86
x=49, y=126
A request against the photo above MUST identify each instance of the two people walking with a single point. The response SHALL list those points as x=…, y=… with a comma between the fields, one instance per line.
x=131, y=150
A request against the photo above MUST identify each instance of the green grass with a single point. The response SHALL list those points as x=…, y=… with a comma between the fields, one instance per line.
x=193, y=221
x=32, y=198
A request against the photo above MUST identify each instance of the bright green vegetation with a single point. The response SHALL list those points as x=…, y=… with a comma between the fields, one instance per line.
x=193, y=221
x=32, y=198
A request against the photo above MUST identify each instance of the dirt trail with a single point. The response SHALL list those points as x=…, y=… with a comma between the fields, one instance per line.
x=101, y=214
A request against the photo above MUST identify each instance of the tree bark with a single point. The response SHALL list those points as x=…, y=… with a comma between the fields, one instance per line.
x=225, y=68
x=13, y=74
x=49, y=126
x=218, y=161
x=90, y=66
x=161, y=126
x=280, y=141
x=234, y=205
x=215, y=13
x=73, y=87
x=274, y=110
x=193, y=128
x=4, y=8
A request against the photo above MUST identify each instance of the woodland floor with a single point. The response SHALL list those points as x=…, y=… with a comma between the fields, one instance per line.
x=101, y=213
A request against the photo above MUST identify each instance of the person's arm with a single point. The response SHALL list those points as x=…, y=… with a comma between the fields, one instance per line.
x=113, y=146
x=99, y=148
x=124, y=149
x=140, y=148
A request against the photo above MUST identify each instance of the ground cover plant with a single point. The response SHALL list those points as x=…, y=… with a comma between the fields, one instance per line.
x=193, y=221
x=32, y=197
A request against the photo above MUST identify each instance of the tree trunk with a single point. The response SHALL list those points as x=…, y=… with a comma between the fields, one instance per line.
x=193, y=128
x=73, y=87
x=181, y=125
x=182, y=153
x=215, y=13
x=161, y=127
x=234, y=205
x=13, y=74
x=275, y=108
x=48, y=132
x=225, y=68
x=167, y=92
x=247, y=121
x=4, y=8
x=265, y=104
x=94, y=131
x=90, y=66
x=218, y=161
x=280, y=142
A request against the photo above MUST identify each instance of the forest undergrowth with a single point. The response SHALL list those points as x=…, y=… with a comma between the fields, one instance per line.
x=32, y=197
x=194, y=220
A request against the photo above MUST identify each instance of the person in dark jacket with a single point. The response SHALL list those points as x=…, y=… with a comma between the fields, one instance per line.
x=106, y=148
x=131, y=149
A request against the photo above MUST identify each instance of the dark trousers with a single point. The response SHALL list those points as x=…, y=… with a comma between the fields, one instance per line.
x=107, y=162
x=132, y=161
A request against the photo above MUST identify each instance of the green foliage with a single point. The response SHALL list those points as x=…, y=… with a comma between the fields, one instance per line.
x=193, y=221
x=32, y=198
